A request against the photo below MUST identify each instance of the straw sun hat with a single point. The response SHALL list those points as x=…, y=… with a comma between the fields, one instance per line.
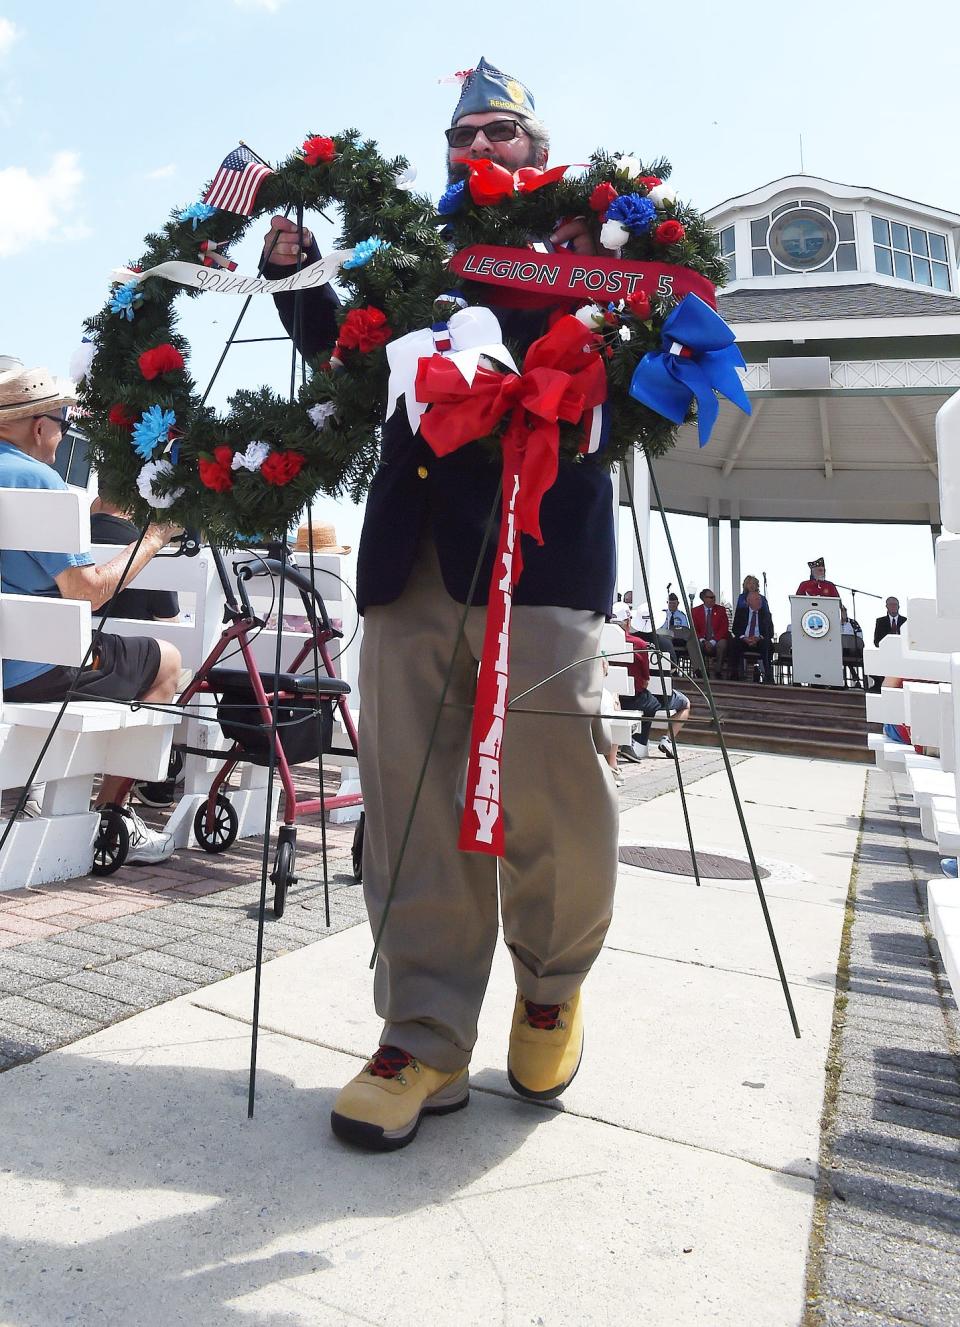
x=324, y=539
x=28, y=392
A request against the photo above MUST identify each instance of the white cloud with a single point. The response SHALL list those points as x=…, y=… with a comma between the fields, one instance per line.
x=8, y=35
x=267, y=6
x=39, y=208
x=161, y=172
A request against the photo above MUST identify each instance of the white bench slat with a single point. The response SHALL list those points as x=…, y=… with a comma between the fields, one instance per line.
x=41, y=630
x=25, y=520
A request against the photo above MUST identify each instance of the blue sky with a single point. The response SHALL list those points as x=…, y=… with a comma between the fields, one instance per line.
x=113, y=113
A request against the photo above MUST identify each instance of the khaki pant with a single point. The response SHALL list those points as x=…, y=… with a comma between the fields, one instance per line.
x=557, y=878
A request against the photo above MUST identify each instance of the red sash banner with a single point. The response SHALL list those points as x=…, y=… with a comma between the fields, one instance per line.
x=527, y=278
x=559, y=382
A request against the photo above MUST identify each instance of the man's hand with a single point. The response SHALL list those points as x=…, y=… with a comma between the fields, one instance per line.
x=576, y=233
x=283, y=244
x=166, y=531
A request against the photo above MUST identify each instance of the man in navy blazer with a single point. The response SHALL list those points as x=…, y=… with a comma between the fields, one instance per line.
x=423, y=536
x=752, y=630
x=888, y=624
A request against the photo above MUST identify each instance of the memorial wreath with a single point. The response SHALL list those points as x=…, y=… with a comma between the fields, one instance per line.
x=639, y=349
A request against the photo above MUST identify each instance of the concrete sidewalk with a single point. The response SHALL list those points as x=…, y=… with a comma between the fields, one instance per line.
x=674, y=1184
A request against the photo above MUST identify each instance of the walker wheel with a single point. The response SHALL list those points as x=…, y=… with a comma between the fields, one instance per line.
x=357, y=850
x=112, y=843
x=219, y=836
x=283, y=876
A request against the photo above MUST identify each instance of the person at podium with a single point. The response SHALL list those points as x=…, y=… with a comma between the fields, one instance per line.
x=817, y=584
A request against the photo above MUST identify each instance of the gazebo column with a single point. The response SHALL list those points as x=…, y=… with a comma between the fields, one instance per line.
x=640, y=477
x=734, y=550
x=713, y=547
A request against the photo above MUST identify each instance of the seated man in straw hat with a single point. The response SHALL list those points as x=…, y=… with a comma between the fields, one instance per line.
x=424, y=534
x=33, y=419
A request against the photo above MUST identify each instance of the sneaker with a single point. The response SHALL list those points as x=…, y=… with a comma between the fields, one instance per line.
x=146, y=845
x=665, y=745
x=156, y=794
x=31, y=809
x=546, y=1045
x=948, y=865
x=639, y=749
x=627, y=753
x=617, y=777
x=382, y=1107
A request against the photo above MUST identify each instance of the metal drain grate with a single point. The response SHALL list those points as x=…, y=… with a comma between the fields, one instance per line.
x=676, y=861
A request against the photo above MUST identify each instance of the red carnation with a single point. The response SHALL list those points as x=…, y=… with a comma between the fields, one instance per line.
x=603, y=196
x=280, y=467
x=669, y=232
x=650, y=181
x=159, y=360
x=638, y=304
x=218, y=473
x=120, y=416
x=318, y=150
x=364, y=330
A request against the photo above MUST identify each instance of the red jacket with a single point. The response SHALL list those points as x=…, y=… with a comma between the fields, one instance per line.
x=720, y=627
x=639, y=666
x=819, y=589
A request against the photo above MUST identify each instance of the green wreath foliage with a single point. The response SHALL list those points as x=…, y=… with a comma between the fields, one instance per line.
x=403, y=280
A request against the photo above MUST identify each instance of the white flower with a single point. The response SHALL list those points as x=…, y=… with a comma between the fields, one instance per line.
x=405, y=178
x=591, y=315
x=630, y=165
x=82, y=359
x=320, y=413
x=251, y=459
x=152, y=471
x=625, y=333
x=613, y=235
x=662, y=193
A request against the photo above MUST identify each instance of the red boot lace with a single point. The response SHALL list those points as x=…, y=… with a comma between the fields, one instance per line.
x=389, y=1062
x=542, y=1016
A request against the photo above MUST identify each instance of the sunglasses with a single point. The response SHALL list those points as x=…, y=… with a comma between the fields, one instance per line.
x=497, y=131
x=64, y=424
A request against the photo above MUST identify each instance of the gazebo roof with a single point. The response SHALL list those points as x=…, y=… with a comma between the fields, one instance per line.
x=819, y=303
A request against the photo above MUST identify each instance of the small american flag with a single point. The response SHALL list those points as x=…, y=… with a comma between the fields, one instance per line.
x=235, y=185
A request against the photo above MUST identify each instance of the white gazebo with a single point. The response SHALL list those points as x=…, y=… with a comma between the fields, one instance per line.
x=846, y=306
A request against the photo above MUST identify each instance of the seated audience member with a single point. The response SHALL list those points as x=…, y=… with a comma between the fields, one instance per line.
x=609, y=705
x=33, y=407
x=889, y=624
x=752, y=630
x=750, y=583
x=642, y=625
x=675, y=617
x=816, y=583
x=111, y=524
x=676, y=705
x=712, y=628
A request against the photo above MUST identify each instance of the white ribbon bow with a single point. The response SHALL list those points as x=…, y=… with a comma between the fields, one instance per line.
x=474, y=333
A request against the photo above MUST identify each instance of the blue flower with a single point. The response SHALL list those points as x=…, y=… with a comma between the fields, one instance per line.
x=126, y=299
x=151, y=429
x=364, y=251
x=197, y=213
x=633, y=211
x=451, y=200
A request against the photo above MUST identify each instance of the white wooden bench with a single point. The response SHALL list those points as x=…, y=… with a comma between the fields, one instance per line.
x=94, y=737
x=619, y=655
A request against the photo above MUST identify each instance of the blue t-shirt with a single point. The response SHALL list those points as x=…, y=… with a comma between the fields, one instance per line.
x=30, y=573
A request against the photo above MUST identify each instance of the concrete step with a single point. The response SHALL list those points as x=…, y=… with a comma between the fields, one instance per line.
x=747, y=740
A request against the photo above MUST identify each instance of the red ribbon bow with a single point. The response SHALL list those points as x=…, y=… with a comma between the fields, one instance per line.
x=489, y=182
x=563, y=376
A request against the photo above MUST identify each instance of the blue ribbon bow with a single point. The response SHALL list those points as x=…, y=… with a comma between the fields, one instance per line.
x=667, y=381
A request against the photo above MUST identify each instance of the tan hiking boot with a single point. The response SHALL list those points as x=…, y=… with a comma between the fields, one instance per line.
x=382, y=1107
x=546, y=1043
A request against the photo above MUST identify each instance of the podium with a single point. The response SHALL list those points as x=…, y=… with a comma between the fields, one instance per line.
x=816, y=640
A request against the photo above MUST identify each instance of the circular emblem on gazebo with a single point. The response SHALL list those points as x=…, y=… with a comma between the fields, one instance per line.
x=815, y=623
x=802, y=239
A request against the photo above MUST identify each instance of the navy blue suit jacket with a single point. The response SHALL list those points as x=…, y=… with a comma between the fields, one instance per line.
x=574, y=568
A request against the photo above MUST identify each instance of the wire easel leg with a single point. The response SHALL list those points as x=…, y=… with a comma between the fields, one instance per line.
x=436, y=723
x=670, y=725
x=708, y=692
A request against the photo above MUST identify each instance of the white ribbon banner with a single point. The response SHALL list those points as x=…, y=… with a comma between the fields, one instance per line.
x=235, y=283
